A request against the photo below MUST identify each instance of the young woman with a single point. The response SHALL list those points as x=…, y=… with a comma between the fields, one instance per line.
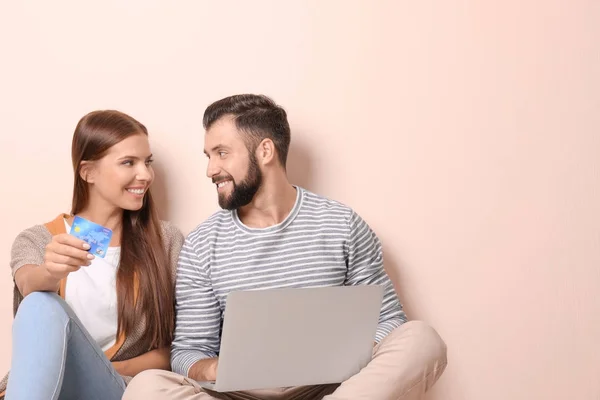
x=85, y=324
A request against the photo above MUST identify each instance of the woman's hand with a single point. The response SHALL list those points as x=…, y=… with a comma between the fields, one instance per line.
x=154, y=359
x=65, y=254
x=120, y=367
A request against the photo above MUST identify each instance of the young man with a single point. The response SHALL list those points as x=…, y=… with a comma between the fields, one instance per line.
x=271, y=234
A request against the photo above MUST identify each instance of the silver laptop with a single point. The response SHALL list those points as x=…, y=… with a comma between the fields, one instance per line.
x=295, y=337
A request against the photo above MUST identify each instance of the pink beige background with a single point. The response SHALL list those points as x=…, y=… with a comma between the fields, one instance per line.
x=466, y=134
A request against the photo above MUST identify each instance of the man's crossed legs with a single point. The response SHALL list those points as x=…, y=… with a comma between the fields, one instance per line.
x=405, y=365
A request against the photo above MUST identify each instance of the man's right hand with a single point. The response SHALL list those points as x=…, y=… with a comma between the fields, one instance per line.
x=204, y=370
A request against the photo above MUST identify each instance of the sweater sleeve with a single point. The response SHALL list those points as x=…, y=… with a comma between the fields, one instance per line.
x=173, y=241
x=28, y=247
x=198, y=323
x=365, y=267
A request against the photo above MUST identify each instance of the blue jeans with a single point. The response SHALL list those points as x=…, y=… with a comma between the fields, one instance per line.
x=55, y=358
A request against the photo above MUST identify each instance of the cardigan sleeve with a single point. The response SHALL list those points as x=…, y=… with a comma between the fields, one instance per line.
x=29, y=247
x=173, y=241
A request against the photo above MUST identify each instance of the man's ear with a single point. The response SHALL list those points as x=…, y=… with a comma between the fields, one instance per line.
x=266, y=151
x=86, y=171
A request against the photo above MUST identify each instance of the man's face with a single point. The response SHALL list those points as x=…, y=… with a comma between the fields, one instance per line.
x=233, y=169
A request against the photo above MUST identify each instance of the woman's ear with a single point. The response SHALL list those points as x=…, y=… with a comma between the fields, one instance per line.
x=86, y=171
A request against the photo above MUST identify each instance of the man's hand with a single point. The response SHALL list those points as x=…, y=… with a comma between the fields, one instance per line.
x=204, y=370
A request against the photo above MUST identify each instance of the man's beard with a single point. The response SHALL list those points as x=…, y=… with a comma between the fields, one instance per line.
x=243, y=193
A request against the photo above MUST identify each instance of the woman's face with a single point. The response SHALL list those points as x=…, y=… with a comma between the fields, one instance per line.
x=122, y=177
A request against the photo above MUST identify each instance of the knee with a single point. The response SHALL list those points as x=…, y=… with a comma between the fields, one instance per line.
x=429, y=341
x=149, y=384
x=40, y=306
x=421, y=340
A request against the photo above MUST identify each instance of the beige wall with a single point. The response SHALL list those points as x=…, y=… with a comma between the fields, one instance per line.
x=466, y=134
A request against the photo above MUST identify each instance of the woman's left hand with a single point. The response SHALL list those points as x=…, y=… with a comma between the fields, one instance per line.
x=154, y=359
x=120, y=367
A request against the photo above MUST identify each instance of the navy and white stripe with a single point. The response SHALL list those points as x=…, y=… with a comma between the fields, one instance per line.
x=321, y=243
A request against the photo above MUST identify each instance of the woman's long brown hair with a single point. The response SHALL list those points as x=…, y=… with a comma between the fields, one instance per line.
x=144, y=268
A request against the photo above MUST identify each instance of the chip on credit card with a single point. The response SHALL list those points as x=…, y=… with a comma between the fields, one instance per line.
x=97, y=236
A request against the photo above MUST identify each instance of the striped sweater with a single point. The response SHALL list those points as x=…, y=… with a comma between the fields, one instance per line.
x=320, y=243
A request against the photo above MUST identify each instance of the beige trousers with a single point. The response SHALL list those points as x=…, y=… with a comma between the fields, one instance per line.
x=404, y=366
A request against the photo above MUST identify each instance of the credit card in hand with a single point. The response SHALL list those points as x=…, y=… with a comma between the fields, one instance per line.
x=97, y=236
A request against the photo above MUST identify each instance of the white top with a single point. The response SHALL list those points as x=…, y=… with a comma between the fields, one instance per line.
x=92, y=294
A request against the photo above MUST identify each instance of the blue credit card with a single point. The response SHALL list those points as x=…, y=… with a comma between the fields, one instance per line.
x=97, y=236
